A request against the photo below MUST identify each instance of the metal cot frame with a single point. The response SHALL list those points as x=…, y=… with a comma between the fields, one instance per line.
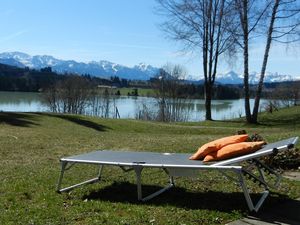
x=177, y=165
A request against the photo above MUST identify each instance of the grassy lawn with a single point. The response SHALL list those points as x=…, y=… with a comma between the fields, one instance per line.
x=31, y=145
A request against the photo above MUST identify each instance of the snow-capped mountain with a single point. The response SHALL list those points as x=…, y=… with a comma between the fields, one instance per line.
x=270, y=77
x=107, y=69
x=100, y=68
x=232, y=77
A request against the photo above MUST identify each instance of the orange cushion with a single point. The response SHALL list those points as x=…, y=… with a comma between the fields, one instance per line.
x=234, y=150
x=218, y=144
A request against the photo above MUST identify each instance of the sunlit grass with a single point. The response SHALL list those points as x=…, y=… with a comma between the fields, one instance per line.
x=31, y=145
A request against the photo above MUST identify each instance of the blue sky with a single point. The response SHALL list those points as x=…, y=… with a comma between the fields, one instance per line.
x=120, y=31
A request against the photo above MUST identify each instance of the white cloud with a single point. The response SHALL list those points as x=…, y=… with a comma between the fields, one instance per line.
x=13, y=35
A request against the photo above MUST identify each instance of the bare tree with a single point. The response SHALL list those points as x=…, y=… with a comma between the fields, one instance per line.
x=246, y=17
x=284, y=24
x=200, y=25
x=257, y=18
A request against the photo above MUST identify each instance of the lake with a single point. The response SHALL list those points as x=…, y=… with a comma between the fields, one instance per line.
x=128, y=106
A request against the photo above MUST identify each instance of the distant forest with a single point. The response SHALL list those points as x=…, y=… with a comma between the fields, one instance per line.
x=32, y=80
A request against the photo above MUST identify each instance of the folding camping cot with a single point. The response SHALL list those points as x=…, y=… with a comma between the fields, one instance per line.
x=178, y=164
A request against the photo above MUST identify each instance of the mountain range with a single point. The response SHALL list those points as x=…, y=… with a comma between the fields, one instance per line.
x=232, y=77
x=106, y=69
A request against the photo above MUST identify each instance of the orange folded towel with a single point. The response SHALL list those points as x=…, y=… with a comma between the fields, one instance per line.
x=217, y=144
x=234, y=150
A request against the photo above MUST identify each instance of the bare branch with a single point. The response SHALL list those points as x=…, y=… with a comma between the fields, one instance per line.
x=258, y=19
x=288, y=16
x=287, y=42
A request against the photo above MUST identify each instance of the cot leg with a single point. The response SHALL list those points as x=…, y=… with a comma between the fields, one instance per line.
x=261, y=167
x=171, y=178
x=64, y=167
x=172, y=181
x=62, y=171
x=138, y=171
x=249, y=201
x=100, y=172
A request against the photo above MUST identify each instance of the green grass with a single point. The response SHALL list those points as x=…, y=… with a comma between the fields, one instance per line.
x=31, y=145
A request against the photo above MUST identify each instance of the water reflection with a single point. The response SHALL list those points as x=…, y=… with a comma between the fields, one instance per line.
x=21, y=102
x=129, y=106
x=18, y=97
x=216, y=105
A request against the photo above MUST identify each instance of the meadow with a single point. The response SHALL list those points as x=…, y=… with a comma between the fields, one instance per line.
x=31, y=145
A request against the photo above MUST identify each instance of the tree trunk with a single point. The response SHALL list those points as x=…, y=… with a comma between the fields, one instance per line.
x=244, y=20
x=208, y=94
x=246, y=84
x=264, y=65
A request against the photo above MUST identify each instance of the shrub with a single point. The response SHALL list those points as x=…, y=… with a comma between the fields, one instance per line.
x=284, y=160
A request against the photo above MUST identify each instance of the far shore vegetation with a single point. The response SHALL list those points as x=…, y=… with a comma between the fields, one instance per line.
x=69, y=93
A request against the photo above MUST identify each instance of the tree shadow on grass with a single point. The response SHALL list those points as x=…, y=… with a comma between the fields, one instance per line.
x=266, y=122
x=179, y=197
x=80, y=121
x=285, y=211
x=287, y=121
x=17, y=119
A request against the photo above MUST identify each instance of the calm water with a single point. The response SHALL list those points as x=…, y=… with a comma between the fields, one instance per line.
x=127, y=106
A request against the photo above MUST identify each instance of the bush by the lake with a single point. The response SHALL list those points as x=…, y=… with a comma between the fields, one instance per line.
x=286, y=94
x=168, y=110
x=145, y=112
x=68, y=96
x=102, y=103
x=77, y=95
x=172, y=105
